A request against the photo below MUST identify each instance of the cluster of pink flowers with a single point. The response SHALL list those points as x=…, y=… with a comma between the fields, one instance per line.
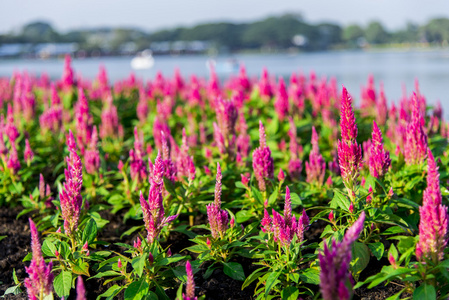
x=334, y=263
x=138, y=168
x=40, y=281
x=295, y=162
x=316, y=166
x=285, y=228
x=70, y=196
x=262, y=161
x=184, y=162
x=349, y=152
x=433, y=225
x=281, y=103
x=218, y=218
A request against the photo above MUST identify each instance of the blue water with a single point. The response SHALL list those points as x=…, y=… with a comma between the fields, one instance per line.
x=351, y=68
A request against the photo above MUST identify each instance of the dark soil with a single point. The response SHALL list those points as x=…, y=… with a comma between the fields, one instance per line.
x=218, y=287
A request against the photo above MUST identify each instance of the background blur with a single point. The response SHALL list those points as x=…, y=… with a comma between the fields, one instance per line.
x=396, y=41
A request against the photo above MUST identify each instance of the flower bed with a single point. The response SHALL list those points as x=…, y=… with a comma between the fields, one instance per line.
x=191, y=189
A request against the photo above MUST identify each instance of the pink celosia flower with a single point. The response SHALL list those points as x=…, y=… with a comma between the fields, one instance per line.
x=285, y=228
x=379, y=159
x=10, y=128
x=218, y=218
x=13, y=162
x=415, y=147
x=281, y=103
x=295, y=163
x=84, y=121
x=265, y=89
x=92, y=156
x=262, y=160
x=349, y=152
x=80, y=290
x=382, y=108
x=190, y=286
x=169, y=165
x=153, y=212
x=316, y=166
x=184, y=162
x=137, y=165
x=67, y=79
x=110, y=125
x=433, y=225
x=70, y=196
x=28, y=154
x=334, y=263
x=40, y=281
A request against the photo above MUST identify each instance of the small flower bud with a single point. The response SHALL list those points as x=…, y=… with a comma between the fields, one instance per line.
x=120, y=166
x=392, y=260
x=363, y=181
x=331, y=216
x=207, y=170
x=119, y=264
x=56, y=253
x=232, y=222
x=245, y=180
x=281, y=176
x=265, y=204
x=208, y=243
x=351, y=208
x=169, y=252
x=59, y=230
x=151, y=258
x=329, y=181
x=390, y=192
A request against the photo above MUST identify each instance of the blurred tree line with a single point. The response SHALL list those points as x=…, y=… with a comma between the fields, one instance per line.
x=273, y=33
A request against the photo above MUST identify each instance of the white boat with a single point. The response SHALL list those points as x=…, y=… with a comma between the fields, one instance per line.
x=143, y=60
x=229, y=66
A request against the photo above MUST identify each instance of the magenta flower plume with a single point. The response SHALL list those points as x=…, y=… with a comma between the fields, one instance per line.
x=316, y=166
x=285, y=228
x=433, y=225
x=110, y=125
x=137, y=165
x=67, y=75
x=92, y=156
x=169, y=165
x=218, y=218
x=70, y=196
x=40, y=281
x=295, y=163
x=262, y=161
x=13, y=162
x=349, y=152
x=184, y=162
x=227, y=115
x=334, y=263
x=281, y=103
x=84, y=121
x=415, y=148
x=379, y=159
x=28, y=154
x=80, y=289
x=190, y=286
x=153, y=213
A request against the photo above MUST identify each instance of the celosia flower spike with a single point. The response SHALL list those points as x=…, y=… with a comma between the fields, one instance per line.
x=217, y=200
x=433, y=225
x=262, y=161
x=80, y=289
x=415, y=147
x=379, y=159
x=40, y=281
x=190, y=286
x=218, y=218
x=334, y=263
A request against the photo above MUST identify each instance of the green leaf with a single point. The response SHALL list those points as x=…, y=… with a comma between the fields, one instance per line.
x=311, y=276
x=273, y=197
x=111, y=292
x=361, y=256
x=243, y=216
x=272, y=280
x=393, y=230
x=425, y=291
x=393, y=251
x=15, y=290
x=340, y=201
x=90, y=231
x=3, y=237
x=396, y=296
x=406, y=243
x=377, y=249
x=137, y=290
x=240, y=185
x=296, y=200
x=63, y=284
x=48, y=248
x=290, y=293
x=254, y=275
x=234, y=270
x=81, y=268
x=168, y=260
x=138, y=264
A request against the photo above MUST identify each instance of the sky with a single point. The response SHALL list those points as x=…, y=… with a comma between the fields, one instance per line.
x=152, y=15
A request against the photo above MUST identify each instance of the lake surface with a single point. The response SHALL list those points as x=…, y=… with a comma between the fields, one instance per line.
x=351, y=68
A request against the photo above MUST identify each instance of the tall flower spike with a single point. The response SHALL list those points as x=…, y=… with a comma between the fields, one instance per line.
x=262, y=160
x=415, y=147
x=40, y=281
x=70, y=196
x=190, y=286
x=80, y=289
x=218, y=218
x=334, y=263
x=433, y=224
x=349, y=152
x=379, y=159
x=316, y=166
x=153, y=213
